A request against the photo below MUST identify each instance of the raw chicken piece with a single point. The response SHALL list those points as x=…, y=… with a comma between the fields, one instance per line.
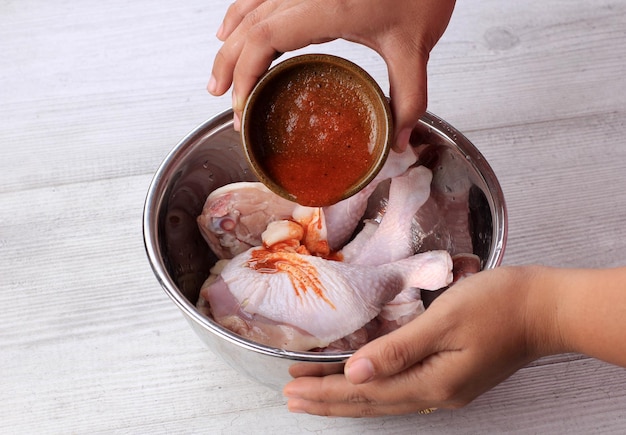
x=300, y=302
x=283, y=231
x=351, y=251
x=235, y=215
x=393, y=239
x=406, y=306
x=313, y=222
x=406, y=195
x=344, y=216
x=403, y=308
x=286, y=235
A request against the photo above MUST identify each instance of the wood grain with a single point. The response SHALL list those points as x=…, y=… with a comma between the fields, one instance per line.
x=94, y=94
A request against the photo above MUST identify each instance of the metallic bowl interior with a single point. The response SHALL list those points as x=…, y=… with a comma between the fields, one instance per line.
x=212, y=155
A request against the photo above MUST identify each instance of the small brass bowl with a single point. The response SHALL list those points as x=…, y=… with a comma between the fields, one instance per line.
x=316, y=129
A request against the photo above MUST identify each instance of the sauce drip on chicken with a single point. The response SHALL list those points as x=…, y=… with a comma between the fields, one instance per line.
x=302, y=274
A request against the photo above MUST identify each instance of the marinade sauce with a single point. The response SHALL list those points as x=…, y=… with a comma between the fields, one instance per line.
x=314, y=133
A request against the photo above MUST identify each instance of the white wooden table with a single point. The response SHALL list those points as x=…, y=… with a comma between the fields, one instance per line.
x=93, y=94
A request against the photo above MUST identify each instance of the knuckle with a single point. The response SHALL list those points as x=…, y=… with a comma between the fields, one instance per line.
x=222, y=58
x=252, y=18
x=237, y=9
x=451, y=397
x=368, y=411
x=446, y=394
x=365, y=405
x=394, y=356
x=224, y=63
x=417, y=104
x=341, y=8
x=358, y=397
x=260, y=32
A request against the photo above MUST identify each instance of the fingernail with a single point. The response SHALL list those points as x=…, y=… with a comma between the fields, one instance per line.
x=402, y=140
x=235, y=101
x=290, y=392
x=236, y=121
x=236, y=110
x=360, y=371
x=219, y=32
x=212, y=86
x=296, y=406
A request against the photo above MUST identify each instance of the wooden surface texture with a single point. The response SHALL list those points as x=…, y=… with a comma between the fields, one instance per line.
x=94, y=94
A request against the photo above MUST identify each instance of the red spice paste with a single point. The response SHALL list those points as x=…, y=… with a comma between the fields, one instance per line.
x=302, y=274
x=314, y=133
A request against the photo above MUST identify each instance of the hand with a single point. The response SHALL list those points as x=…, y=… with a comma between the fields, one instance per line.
x=403, y=33
x=475, y=335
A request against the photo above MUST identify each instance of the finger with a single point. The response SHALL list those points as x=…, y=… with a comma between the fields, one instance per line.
x=447, y=380
x=298, y=370
x=333, y=395
x=408, y=92
x=235, y=14
x=287, y=29
x=230, y=52
x=394, y=352
x=352, y=409
x=413, y=385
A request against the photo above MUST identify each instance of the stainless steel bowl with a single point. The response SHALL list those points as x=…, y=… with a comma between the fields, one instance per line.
x=464, y=189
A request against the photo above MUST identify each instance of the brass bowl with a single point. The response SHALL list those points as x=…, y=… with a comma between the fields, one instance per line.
x=314, y=115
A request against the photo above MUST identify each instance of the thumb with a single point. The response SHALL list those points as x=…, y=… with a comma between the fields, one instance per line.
x=392, y=353
x=408, y=93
